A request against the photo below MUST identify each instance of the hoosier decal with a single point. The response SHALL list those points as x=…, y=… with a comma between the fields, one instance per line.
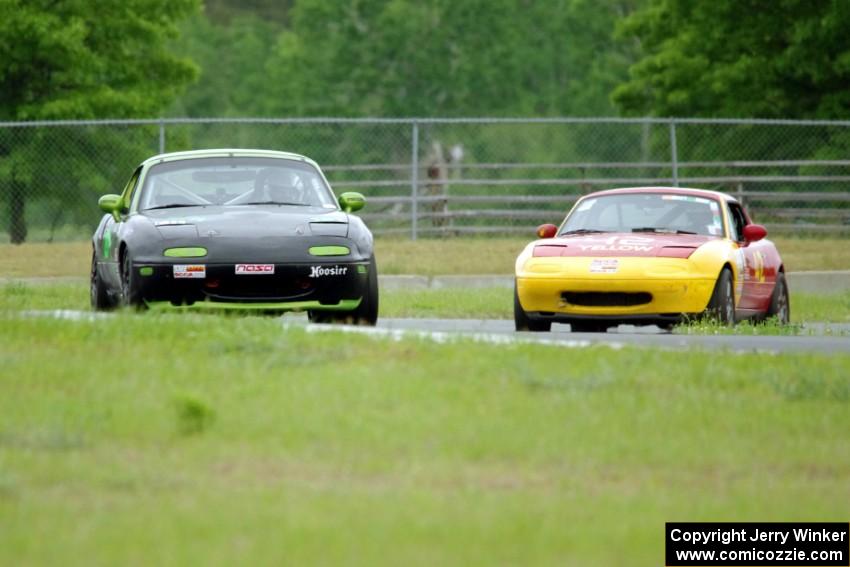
x=321, y=271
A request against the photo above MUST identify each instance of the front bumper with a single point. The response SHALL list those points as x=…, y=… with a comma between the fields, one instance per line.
x=664, y=297
x=635, y=288
x=343, y=305
x=291, y=287
x=644, y=290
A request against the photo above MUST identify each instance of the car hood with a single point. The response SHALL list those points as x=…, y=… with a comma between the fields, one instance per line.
x=621, y=244
x=257, y=221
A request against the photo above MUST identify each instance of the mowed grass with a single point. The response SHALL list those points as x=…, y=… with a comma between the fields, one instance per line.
x=212, y=440
x=454, y=303
x=403, y=256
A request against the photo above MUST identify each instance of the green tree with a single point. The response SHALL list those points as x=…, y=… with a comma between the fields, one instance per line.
x=270, y=11
x=739, y=58
x=232, y=57
x=76, y=59
x=449, y=58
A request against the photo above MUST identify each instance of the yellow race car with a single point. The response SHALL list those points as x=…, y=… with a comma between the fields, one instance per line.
x=649, y=255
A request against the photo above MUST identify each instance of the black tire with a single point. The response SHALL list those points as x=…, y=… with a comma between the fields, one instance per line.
x=100, y=299
x=721, y=307
x=780, y=306
x=366, y=313
x=523, y=323
x=131, y=295
x=589, y=327
x=320, y=317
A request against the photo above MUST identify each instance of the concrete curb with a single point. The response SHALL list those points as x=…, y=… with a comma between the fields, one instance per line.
x=824, y=282
x=444, y=282
x=819, y=282
x=5, y=280
x=807, y=282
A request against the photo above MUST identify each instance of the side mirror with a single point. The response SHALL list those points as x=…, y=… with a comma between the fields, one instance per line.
x=754, y=232
x=351, y=201
x=112, y=204
x=546, y=231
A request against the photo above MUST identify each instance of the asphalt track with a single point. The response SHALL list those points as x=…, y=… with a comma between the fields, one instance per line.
x=817, y=338
x=822, y=339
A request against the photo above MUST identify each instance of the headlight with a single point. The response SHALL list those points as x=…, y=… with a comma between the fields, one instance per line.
x=193, y=252
x=330, y=250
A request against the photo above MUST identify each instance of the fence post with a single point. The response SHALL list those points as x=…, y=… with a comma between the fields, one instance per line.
x=161, y=136
x=414, y=180
x=674, y=154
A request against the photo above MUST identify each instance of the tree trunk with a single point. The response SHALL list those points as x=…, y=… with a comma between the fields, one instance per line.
x=17, y=222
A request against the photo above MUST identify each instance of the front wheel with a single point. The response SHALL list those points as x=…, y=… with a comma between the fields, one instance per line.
x=131, y=294
x=522, y=322
x=721, y=307
x=100, y=299
x=366, y=313
x=780, y=306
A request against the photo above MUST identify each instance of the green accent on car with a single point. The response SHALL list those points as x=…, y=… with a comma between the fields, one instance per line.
x=343, y=305
x=351, y=201
x=196, y=252
x=361, y=269
x=107, y=243
x=112, y=204
x=330, y=250
x=146, y=271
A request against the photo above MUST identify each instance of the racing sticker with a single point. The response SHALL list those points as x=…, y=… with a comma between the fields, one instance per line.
x=716, y=226
x=687, y=198
x=190, y=271
x=255, y=269
x=604, y=266
x=322, y=271
x=616, y=244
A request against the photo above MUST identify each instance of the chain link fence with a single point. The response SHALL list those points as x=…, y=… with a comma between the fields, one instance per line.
x=446, y=177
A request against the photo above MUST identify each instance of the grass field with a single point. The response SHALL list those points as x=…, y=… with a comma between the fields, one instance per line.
x=173, y=440
x=401, y=256
x=206, y=439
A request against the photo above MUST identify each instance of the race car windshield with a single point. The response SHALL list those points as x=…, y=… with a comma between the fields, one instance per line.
x=235, y=182
x=646, y=212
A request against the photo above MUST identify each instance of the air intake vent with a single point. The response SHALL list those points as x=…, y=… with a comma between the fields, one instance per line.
x=606, y=299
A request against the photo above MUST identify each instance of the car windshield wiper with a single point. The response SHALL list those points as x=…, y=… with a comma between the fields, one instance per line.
x=173, y=206
x=583, y=231
x=661, y=230
x=275, y=203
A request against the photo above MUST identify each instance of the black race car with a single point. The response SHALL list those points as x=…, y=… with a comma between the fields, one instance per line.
x=235, y=229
